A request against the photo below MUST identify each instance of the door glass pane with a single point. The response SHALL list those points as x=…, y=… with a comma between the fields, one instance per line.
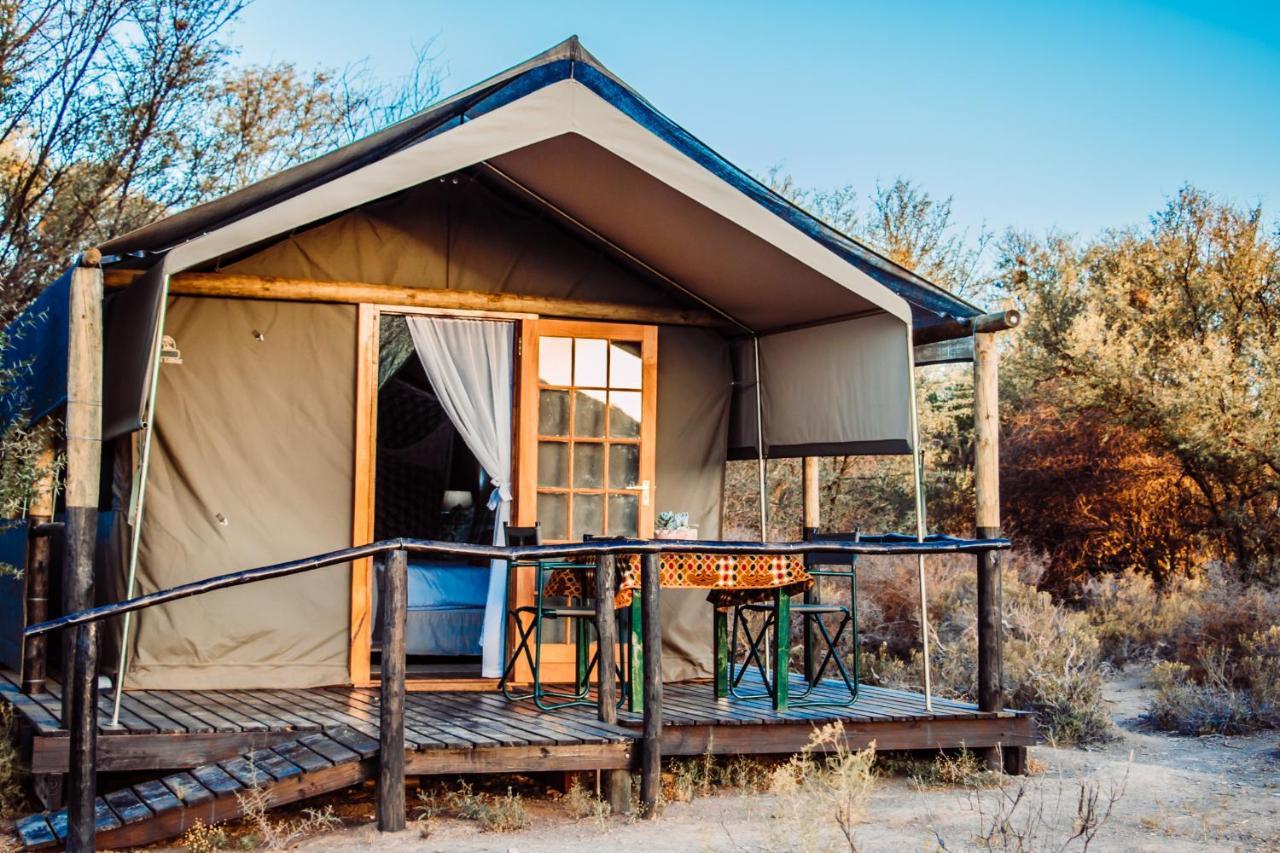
x=588, y=515
x=555, y=360
x=624, y=515
x=624, y=364
x=624, y=466
x=588, y=466
x=590, y=363
x=553, y=413
x=588, y=414
x=624, y=414
x=553, y=464
x=553, y=515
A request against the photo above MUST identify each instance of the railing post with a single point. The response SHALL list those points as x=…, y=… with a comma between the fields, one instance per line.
x=651, y=761
x=390, y=794
x=84, y=444
x=986, y=469
x=39, y=559
x=83, y=722
x=617, y=783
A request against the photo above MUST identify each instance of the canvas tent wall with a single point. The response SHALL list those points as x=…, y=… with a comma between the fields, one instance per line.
x=551, y=179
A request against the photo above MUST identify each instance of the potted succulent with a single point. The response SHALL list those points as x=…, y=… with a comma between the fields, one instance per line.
x=674, y=525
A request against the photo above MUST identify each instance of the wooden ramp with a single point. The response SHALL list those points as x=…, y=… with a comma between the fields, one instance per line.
x=313, y=764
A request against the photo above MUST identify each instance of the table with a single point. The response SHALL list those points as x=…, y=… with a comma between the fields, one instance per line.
x=731, y=579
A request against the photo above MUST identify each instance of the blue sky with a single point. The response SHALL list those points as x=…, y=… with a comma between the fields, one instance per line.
x=1074, y=116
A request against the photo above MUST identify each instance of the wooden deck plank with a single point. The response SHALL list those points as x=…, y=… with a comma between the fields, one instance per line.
x=215, y=779
x=189, y=722
x=157, y=796
x=208, y=699
x=419, y=731
x=35, y=832
x=127, y=806
x=104, y=818
x=309, y=760
x=271, y=762
x=355, y=740
x=187, y=788
x=245, y=772
x=270, y=713
x=328, y=748
x=209, y=716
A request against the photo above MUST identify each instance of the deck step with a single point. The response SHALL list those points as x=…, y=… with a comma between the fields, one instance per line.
x=317, y=763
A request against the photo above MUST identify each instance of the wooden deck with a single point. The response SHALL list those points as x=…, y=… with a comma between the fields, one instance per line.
x=454, y=732
x=207, y=746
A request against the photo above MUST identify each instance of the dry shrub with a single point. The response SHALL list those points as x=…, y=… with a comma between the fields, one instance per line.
x=1051, y=654
x=1095, y=496
x=12, y=794
x=584, y=804
x=824, y=778
x=491, y=812
x=1136, y=620
x=688, y=778
x=271, y=834
x=1215, y=703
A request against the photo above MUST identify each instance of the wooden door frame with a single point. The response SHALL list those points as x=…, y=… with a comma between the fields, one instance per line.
x=364, y=482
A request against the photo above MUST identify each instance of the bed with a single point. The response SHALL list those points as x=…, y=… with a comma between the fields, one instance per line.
x=446, y=607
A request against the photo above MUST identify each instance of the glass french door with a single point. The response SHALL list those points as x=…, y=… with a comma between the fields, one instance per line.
x=586, y=455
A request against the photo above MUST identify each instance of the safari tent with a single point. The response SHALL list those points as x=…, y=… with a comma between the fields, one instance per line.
x=538, y=301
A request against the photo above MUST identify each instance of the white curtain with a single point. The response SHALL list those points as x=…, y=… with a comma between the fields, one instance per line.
x=469, y=363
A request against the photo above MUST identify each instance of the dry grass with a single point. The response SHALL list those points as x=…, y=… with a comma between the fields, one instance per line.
x=583, y=804
x=1215, y=643
x=825, y=783
x=491, y=812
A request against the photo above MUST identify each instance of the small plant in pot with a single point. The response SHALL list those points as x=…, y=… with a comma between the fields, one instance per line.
x=674, y=525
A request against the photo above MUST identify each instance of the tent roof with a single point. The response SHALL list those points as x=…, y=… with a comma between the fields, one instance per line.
x=568, y=60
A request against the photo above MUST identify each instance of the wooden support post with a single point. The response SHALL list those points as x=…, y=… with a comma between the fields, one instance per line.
x=986, y=419
x=390, y=793
x=83, y=719
x=812, y=522
x=39, y=558
x=84, y=448
x=651, y=761
x=616, y=783
x=606, y=631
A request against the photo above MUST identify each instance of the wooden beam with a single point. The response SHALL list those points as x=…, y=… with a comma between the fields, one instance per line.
x=986, y=419
x=997, y=321
x=83, y=448
x=239, y=286
x=812, y=504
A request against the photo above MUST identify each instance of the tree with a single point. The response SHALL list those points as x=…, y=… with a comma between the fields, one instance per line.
x=115, y=112
x=1168, y=331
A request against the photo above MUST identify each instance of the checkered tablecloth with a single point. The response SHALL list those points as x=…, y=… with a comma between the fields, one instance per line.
x=731, y=578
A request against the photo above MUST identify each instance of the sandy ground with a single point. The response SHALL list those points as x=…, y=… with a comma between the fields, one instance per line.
x=1211, y=793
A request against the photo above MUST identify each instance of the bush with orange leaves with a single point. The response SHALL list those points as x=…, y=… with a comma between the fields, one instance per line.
x=1096, y=498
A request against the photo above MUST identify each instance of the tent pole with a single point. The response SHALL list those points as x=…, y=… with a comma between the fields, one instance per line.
x=760, y=461
x=917, y=464
x=139, y=498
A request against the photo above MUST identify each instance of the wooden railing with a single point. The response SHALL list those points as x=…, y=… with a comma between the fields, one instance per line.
x=84, y=625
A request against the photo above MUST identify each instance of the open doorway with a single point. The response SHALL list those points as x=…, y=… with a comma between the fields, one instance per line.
x=428, y=484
